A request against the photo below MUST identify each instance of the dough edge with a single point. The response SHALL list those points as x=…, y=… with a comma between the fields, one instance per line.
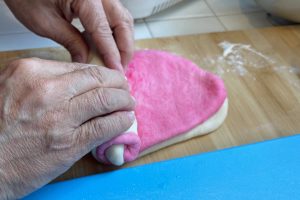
x=210, y=125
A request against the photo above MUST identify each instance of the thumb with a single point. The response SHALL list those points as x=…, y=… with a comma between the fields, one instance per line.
x=67, y=35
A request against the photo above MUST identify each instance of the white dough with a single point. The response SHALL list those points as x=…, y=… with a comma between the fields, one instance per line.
x=115, y=153
x=213, y=123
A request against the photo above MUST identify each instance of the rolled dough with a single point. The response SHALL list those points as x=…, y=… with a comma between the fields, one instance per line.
x=176, y=101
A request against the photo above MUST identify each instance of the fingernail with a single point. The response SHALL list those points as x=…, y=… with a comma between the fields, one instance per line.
x=133, y=99
x=120, y=68
x=131, y=115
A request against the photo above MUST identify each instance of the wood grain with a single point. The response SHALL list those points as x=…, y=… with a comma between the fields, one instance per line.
x=262, y=105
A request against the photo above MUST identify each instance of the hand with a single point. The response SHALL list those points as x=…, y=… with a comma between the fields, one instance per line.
x=107, y=21
x=52, y=114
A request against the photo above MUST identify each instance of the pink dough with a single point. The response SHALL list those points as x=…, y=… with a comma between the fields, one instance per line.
x=173, y=96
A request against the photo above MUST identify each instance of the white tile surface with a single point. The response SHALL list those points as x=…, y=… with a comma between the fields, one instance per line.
x=188, y=17
x=24, y=41
x=185, y=9
x=76, y=22
x=227, y=7
x=141, y=31
x=184, y=26
x=8, y=23
x=28, y=40
x=245, y=21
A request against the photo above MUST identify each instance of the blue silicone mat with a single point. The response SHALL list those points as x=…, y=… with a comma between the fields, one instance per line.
x=267, y=170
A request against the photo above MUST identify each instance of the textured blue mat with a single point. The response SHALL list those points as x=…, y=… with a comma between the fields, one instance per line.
x=267, y=170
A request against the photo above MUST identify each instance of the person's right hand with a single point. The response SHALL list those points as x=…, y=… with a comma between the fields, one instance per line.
x=52, y=114
x=108, y=23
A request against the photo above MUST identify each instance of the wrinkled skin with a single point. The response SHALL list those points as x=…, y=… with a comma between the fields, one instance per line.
x=107, y=21
x=53, y=113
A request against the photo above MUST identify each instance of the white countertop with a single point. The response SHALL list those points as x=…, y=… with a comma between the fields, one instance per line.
x=188, y=17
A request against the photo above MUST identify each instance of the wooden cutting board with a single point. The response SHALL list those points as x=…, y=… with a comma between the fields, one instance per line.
x=263, y=102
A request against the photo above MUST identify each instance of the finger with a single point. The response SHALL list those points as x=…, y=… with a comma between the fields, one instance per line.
x=99, y=102
x=67, y=35
x=93, y=18
x=121, y=23
x=124, y=39
x=81, y=81
x=93, y=57
x=102, y=129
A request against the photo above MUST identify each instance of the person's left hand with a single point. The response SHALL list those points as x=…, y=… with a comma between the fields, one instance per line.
x=109, y=24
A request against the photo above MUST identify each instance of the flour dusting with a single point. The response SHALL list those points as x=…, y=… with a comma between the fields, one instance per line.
x=235, y=49
x=237, y=58
x=242, y=59
x=289, y=69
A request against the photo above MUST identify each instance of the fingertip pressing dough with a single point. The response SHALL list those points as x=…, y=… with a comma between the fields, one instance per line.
x=111, y=153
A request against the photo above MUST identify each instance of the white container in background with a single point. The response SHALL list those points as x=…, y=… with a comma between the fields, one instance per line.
x=145, y=8
x=288, y=9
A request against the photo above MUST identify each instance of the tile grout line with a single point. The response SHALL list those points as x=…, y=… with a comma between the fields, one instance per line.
x=209, y=6
x=223, y=25
x=179, y=18
x=15, y=33
x=234, y=13
x=148, y=28
x=184, y=18
x=242, y=13
x=162, y=36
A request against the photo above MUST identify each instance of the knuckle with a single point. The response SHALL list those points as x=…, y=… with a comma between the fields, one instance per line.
x=121, y=122
x=99, y=127
x=128, y=18
x=106, y=128
x=103, y=97
x=25, y=65
x=23, y=62
x=103, y=129
x=95, y=130
x=102, y=30
x=97, y=74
